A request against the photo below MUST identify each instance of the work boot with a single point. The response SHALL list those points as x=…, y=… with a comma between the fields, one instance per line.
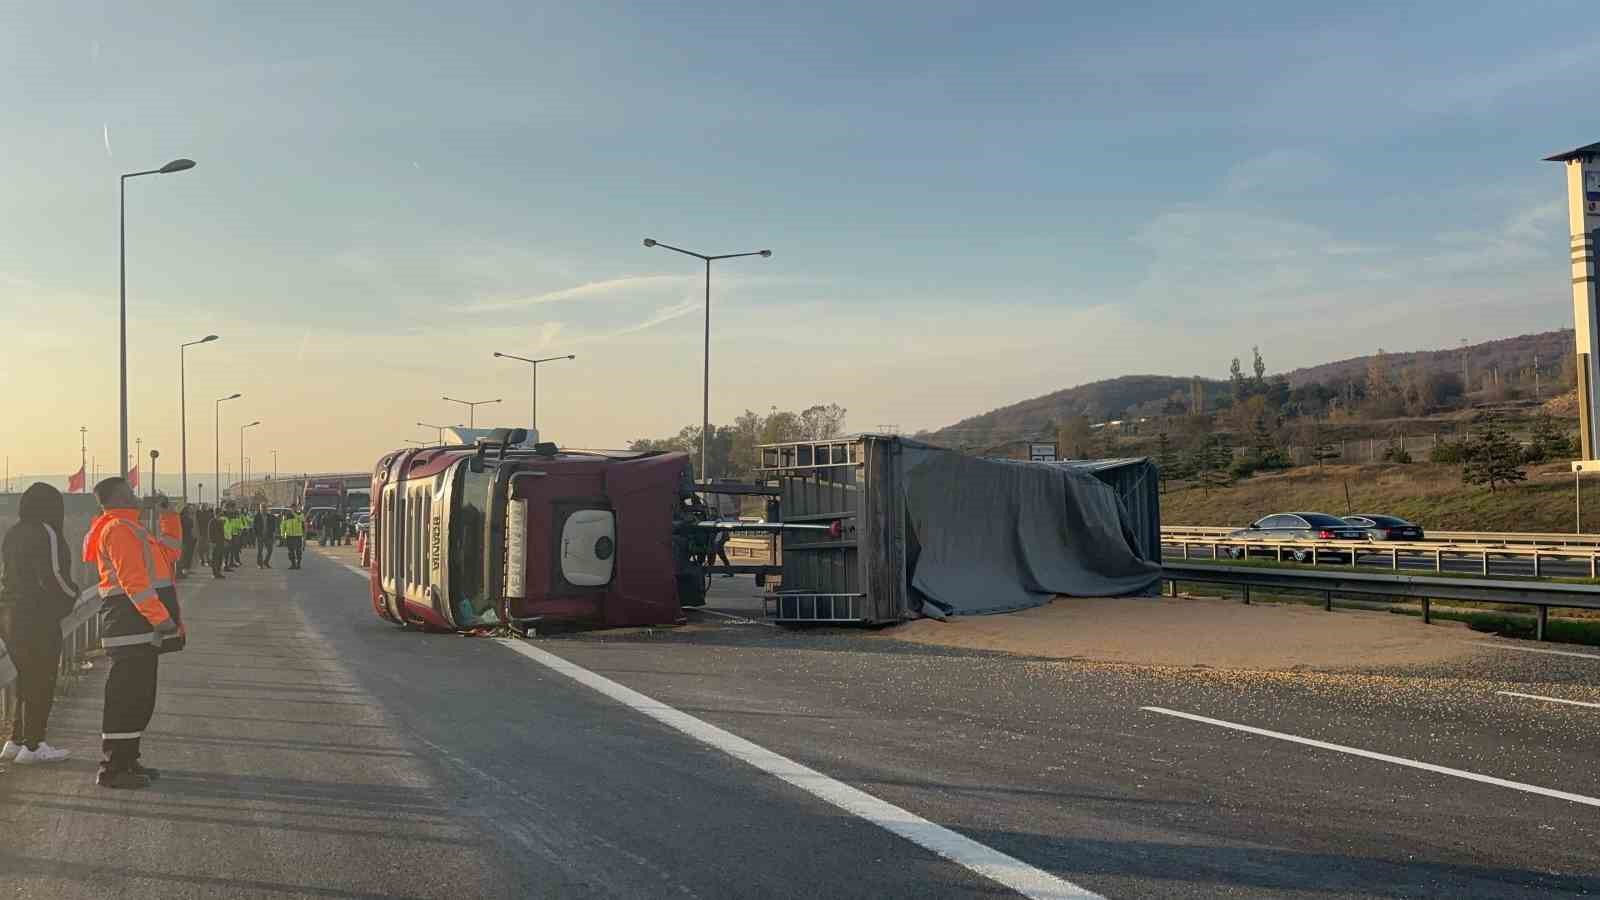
x=10, y=751
x=146, y=771
x=126, y=780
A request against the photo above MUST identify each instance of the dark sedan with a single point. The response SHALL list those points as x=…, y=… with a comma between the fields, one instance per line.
x=1386, y=528
x=1297, y=526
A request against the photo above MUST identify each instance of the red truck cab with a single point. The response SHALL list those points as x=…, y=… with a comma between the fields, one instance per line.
x=463, y=537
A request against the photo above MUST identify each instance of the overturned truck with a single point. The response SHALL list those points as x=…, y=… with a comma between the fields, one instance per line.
x=933, y=532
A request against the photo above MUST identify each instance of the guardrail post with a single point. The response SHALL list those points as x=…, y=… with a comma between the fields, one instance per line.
x=1327, y=601
x=1279, y=548
x=1536, y=563
x=1592, y=558
x=1313, y=554
x=1486, y=564
x=1185, y=549
x=1427, y=611
x=1394, y=559
x=1543, y=619
x=1247, y=595
x=1352, y=557
x=1438, y=560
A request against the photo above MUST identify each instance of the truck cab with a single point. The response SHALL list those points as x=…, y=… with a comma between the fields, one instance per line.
x=467, y=537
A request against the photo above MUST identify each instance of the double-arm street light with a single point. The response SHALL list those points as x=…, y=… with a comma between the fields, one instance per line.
x=535, y=364
x=216, y=445
x=705, y=403
x=242, y=469
x=472, y=409
x=183, y=409
x=177, y=165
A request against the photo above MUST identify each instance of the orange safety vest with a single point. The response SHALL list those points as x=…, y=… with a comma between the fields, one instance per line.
x=171, y=536
x=129, y=573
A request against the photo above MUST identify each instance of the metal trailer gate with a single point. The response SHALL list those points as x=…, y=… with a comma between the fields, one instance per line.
x=858, y=577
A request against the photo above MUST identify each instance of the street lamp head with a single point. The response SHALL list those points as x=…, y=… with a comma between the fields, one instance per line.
x=498, y=354
x=231, y=397
x=154, y=454
x=766, y=253
x=649, y=242
x=252, y=424
x=177, y=165
x=208, y=339
x=572, y=356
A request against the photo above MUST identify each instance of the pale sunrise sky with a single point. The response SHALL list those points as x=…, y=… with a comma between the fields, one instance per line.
x=968, y=204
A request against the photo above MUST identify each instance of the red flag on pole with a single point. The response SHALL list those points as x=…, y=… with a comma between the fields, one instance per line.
x=75, y=482
x=133, y=477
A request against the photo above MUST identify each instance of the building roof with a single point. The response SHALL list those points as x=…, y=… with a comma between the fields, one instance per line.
x=1586, y=150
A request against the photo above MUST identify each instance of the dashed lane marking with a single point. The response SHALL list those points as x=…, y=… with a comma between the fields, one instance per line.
x=1381, y=757
x=1548, y=699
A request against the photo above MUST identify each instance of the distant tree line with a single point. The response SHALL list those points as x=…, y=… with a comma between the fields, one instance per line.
x=731, y=452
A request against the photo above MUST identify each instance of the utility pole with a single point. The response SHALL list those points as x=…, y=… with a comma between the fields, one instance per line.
x=83, y=455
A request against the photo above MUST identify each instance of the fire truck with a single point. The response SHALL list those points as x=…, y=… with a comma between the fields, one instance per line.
x=318, y=497
x=497, y=533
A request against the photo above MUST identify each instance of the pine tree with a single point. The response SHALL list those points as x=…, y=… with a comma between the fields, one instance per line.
x=1492, y=458
x=1548, y=441
x=1236, y=377
x=1261, y=370
x=1166, y=460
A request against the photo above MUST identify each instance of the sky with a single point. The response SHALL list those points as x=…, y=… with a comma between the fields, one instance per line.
x=968, y=204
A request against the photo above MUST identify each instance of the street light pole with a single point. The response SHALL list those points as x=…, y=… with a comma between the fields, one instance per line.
x=535, y=364
x=705, y=399
x=177, y=165
x=183, y=410
x=472, y=409
x=241, y=452
x=216, y=448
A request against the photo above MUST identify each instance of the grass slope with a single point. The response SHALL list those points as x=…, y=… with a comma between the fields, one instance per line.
x=1431, y=495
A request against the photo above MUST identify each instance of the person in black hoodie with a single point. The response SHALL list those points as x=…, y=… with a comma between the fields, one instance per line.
x=36, y=593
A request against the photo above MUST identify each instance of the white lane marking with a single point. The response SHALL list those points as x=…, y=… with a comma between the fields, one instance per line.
x=1533, y=650
x=959, y=849
x=1382, y=757
x=1548, y=699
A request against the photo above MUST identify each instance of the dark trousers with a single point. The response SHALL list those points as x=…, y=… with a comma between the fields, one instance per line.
x=264, y=550
x=216, y=559
x=186, y=561
x=130, y=701
x=297, y=549
x=37, y=656
x=235, y=549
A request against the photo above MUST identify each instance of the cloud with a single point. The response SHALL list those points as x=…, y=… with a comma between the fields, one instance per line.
x=660, y=316
x=591, y=290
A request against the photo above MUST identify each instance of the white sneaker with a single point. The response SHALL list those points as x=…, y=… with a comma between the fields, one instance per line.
x=45, y=754
x=10, y=752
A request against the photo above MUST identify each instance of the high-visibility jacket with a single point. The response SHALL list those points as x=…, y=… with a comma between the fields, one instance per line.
x=132, y=615
x=293, y=525
x=170, y=537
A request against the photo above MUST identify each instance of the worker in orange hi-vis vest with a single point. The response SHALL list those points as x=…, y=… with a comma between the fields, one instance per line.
x=133, y=624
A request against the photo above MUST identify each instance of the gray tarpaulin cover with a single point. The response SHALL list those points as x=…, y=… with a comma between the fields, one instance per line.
x=993, y=536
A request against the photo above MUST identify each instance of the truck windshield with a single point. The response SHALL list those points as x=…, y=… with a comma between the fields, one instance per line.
x=470, y=543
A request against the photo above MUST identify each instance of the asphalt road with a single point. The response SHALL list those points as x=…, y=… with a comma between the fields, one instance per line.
x=311, y=750
x=1420, y=562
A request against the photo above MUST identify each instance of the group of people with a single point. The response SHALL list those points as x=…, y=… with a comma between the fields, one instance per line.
x=140, y=550
x=332, y=528
x=232, y=528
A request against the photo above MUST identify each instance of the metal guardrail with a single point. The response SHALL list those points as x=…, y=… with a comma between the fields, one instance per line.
x=1321, y=551
x=1546, y=538
x=80, y=633
x=1426, y=588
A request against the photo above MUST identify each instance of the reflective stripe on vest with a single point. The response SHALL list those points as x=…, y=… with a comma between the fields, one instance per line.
x=131, y=640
